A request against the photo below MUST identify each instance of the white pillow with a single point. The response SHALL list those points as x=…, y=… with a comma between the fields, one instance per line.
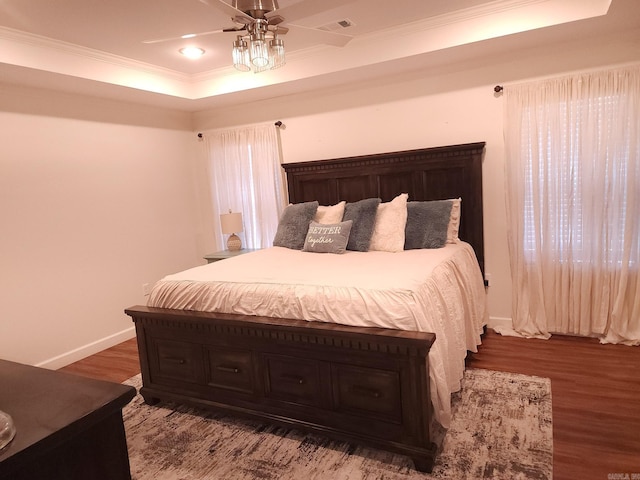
x=454, y=221
x=391, y=220
x=330, y=214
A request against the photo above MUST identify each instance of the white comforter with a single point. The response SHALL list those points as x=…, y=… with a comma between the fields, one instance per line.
x=437, y=290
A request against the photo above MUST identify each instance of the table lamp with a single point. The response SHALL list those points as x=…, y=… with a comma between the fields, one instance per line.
x=232, y=224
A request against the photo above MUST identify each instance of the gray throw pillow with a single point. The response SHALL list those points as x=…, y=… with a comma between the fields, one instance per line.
x=363, y=214
x=427, y=224
x=327, y=238
x=294, y=224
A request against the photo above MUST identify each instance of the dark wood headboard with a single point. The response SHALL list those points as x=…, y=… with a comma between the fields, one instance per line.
x=426, y=174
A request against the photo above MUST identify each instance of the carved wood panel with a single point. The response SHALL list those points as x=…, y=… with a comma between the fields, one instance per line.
x=426, y=174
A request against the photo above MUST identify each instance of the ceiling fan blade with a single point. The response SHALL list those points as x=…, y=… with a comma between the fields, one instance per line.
x=321, y=36
x=304, y=9
x=276, y=20
x=181, y=37
x=242, y=20
x=238, y=29
x=278, y=30
x=229, y=10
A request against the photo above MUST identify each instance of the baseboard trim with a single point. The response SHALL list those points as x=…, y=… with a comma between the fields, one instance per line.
x=86, y=350
x=500, y=322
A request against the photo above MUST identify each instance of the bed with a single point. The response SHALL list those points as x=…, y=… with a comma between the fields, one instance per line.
x=373, y=365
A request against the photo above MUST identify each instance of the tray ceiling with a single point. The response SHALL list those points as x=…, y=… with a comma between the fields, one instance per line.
x=99, y=47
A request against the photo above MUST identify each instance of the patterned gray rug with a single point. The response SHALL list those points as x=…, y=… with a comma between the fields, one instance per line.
x=501, y=429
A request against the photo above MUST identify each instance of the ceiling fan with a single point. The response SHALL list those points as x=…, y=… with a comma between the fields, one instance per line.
x=258, y=24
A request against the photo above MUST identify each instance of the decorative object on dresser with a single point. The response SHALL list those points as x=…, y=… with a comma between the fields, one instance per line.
x=231, y=224
x=7, y=429
x=362, y=384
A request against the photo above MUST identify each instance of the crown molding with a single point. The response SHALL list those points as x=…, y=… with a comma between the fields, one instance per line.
x=39, y=41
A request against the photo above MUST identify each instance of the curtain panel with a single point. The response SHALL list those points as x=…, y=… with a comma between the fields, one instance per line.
x=572, y=164
x=246, y=176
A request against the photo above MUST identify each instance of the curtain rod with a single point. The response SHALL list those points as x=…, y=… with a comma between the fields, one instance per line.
x=278, y=124
x=498, y=88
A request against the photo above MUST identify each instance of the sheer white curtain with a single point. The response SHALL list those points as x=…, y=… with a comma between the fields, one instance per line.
x=246, y=177
x=573, y=205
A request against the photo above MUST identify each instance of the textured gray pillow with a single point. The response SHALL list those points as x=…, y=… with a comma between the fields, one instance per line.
x=327, y=238
x=427, y=224
x=363, y=214
x=294, y=224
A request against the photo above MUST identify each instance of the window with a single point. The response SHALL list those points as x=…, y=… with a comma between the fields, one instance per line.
x=246, y=177
x=566, y=181
x=573, y=204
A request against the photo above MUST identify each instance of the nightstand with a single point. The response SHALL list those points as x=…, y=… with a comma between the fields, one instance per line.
x=214, y=257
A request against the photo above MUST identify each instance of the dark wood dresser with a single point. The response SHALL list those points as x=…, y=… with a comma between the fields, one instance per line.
x=68, y=427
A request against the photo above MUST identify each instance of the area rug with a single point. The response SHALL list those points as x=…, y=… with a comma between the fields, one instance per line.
x=501, y=429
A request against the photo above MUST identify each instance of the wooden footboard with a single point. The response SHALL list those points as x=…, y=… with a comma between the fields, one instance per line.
x=367, y=386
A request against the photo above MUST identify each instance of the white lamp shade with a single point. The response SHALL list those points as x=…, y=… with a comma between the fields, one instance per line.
x=231, y=222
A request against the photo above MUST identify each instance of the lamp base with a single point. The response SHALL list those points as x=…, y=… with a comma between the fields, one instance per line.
x=234, y=243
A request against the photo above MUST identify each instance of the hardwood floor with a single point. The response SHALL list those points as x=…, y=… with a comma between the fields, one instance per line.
x=115, y=364
x=595, y=395
x=595, y=390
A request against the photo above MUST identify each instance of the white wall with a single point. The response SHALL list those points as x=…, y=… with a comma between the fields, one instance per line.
x=96, y=199
x=442, y=105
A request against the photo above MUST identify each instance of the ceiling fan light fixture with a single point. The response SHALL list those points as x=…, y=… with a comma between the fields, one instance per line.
x=240, y=54
x=259, y=50
x=276, y=51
